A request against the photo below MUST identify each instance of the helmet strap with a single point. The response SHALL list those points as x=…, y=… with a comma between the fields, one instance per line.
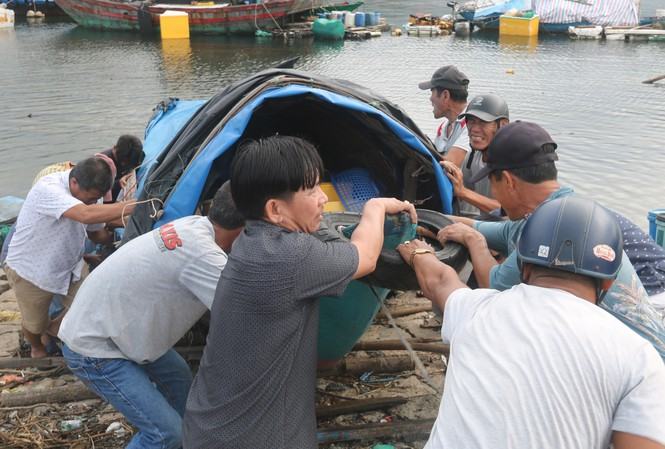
x=600, y=293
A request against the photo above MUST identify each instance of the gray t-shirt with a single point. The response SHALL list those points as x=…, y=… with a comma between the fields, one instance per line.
x=256, y=382
x=482, y=187
x=148, y=294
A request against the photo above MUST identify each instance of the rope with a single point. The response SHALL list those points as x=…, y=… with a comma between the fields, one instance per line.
x=270, y=14
x=416, y=360
x=154, y=214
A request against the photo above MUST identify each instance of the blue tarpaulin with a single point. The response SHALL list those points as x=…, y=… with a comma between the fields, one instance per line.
x=160, y=132
x=192, y=181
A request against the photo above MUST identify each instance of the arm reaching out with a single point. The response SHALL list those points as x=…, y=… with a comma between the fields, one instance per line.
x=368, y=236
x=623, y=440
x=99, y=213
x=481, y=257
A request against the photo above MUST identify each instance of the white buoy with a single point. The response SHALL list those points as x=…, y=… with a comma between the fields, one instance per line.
x=30, y=13
x=39, y=14
x=350, y=20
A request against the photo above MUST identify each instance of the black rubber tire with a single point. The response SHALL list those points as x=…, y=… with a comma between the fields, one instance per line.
x=391, y=270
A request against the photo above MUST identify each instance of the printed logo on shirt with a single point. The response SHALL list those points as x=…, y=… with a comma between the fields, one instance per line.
x=169, y=237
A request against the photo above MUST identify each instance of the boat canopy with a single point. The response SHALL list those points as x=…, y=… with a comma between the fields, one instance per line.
x=595, y=12
x=190, y=148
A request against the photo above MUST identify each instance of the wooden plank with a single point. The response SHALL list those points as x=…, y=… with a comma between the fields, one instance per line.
x=357, y=406
x=396, y=429
x=387, y=345
x=67, y=393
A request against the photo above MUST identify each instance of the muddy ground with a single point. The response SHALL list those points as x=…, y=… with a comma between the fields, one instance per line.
x=83, y=421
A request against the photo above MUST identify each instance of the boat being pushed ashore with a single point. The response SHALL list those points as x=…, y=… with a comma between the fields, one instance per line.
x=369, y=148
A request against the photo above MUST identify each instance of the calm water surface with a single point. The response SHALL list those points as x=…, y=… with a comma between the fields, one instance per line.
x=68, y=92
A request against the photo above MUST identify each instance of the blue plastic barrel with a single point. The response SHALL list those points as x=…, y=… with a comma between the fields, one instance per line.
x=360, y=19
x=369, y=19
x=660, y=230
x=651, y=216
x=377, y=17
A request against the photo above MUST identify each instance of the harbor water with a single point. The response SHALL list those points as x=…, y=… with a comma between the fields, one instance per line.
x=67, y=92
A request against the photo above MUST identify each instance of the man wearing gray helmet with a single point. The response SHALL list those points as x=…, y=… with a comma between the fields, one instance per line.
x=484, y=116
x=540, y=365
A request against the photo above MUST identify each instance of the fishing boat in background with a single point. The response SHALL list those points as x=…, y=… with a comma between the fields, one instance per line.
x=22, y=7
x=556, y=16
x=204, y=17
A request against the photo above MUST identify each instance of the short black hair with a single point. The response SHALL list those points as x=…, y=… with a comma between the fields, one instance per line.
x=223, y=210
x=458, y=95
x=92, y=174
x=129, y=151
x=272, y=167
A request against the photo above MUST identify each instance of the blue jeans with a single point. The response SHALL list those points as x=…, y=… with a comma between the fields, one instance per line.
x=152, y=396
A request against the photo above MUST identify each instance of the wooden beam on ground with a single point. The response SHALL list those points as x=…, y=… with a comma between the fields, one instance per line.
x=27, y=362
x=357, y=406
x=388, y=363
x=68, y=393
x=404, y=311
x=396, y=429
x=387, y=345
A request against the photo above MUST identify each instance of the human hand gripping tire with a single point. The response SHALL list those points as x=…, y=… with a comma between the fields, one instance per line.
x=394, y=206
x=457, y=232
x=392, y=271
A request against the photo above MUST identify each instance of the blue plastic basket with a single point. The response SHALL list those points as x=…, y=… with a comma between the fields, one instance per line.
x=354, y=188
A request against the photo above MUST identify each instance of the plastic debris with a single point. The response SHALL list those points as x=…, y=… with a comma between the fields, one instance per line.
x=70, y=424
x=116, y=428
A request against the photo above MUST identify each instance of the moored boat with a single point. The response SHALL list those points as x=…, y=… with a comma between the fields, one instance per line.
x=204, y=17
x=555, y=16
x=217, y=18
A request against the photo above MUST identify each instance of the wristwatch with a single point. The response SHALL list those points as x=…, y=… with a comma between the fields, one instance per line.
x=418, y=251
